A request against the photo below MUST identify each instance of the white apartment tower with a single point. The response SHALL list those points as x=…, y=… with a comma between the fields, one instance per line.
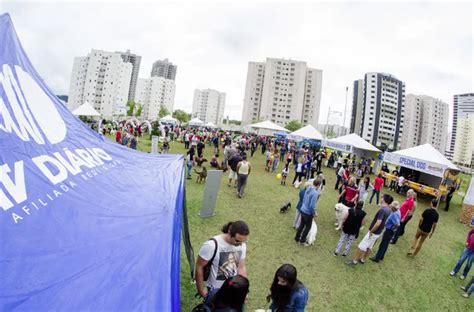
x=102, y=79
x=208, y=105
x=378, y=113
x=464, y=143
x=282, y=90
x=426, y=121
x=153, y=93
x=463, y=104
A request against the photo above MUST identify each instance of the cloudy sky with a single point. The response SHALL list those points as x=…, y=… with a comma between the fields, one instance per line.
x=429, y=46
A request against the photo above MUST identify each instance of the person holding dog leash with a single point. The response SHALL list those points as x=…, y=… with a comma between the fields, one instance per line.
x=308, y=211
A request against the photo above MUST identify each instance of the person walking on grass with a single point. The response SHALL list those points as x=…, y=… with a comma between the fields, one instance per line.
x=350, y=228
x=393, y=222
x=227, y=252
x=299, y=171
x=426, y=228
x=276, y=160
x=308, y=211
x=378, y=182
x=364, y=188
x=243, y=172
x=287, y=293
x=406, y=213
x=467, y=254
x=375, y=229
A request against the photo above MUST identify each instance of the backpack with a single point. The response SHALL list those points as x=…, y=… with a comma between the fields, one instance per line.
x=207, y=268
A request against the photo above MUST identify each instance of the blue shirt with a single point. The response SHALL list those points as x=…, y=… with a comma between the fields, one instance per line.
x=309, y=201
x=393, y=220
x=301, y=196
x=298, y=300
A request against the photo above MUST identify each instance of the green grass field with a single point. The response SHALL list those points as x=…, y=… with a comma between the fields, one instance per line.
x=398, y=283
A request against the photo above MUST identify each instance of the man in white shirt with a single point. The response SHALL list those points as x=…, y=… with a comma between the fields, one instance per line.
x=229, y=250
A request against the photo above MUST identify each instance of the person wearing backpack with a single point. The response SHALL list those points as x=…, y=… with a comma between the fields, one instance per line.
x=221, y=257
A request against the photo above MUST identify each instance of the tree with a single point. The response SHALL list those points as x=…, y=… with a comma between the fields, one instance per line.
x=139, y=110
x=131, y=108
x=163, y=111
x=181, y=115
x=293, y=125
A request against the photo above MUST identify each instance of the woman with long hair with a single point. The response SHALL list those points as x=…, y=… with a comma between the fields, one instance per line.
x=287, y=293
x=406, y=212
x=231, y=296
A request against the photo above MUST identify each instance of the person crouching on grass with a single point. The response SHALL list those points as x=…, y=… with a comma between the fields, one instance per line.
x=287, y=293
x=376, y=228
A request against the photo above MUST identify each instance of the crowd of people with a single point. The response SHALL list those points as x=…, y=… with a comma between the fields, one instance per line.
x=224, y=255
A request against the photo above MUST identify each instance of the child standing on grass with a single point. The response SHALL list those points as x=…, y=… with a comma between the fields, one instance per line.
x=284, y=174
x=268, y=161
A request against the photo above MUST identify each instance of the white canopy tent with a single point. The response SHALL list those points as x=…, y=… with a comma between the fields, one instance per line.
x=307, y=132
x=169, y=120
x=196, y=122
x=347, y=143
x=86, y=109
x=425, y=159
x=267, y=127
x=210, y=125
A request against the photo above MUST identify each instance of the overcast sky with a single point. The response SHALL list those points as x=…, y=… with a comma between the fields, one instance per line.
x=428, y=46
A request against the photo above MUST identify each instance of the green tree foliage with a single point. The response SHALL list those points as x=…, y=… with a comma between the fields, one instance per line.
x=181, y=115
x=131, y=107
x=163, y=111
x=139, y=109
x=293, y=125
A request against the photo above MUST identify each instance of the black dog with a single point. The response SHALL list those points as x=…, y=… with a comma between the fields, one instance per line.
x=285, y=207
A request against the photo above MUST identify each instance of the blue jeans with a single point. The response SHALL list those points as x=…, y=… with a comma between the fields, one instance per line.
x=375, y=192
x=190, y=168
x=470, y=286
x=468, y=255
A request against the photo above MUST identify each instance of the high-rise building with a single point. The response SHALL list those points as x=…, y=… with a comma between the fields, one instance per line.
x=135, y=61
x=208, y=105
x=332, y=130
x=464, y=142
x=282, y=90
x=153, y=93
x=164, y=69
x=102, y=79
x=426, y=121
x=378, y=109
x=463, y=104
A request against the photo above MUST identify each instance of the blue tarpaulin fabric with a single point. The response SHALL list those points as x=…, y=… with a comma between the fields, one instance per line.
x=85, y=224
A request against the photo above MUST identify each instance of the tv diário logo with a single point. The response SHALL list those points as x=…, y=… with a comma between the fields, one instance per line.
x=26, y=110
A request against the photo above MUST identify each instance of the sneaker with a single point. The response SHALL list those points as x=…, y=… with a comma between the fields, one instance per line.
x=462, y=277
x=465, y=295
x=351, y=263
x=464, y=288
x=344, y=255
x=374, y=259
x=335, y=254
x=452, y=273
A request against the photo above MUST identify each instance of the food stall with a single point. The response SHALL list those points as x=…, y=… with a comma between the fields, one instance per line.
x=431, y=173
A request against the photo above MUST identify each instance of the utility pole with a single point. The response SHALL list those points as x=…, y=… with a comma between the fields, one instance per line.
x=345, y=111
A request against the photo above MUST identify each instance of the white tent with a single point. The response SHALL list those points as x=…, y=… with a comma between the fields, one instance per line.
x=423, y=158
x=196, y=122
x=169, y=120
x=347, y=143
x=307, y=132
x=211, y=125
x=86, y=109
x=268, y=125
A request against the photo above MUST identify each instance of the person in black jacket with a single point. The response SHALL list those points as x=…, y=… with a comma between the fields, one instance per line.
x=350, y=228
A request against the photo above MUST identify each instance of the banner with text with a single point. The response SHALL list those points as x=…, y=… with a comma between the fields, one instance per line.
x=415, y=164
x=85, y=224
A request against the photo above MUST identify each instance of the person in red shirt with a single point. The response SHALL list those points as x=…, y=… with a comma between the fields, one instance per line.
x=467, y=254
x=118, y=136
x=378, y=182
x=350, y=194
x=406, y=212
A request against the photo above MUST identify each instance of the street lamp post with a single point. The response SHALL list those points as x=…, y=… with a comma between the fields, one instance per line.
x=330, y=112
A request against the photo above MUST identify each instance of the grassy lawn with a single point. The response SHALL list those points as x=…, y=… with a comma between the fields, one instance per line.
x=397, y=283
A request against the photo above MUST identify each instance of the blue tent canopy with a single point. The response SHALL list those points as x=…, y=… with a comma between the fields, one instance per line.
x=85, y=224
